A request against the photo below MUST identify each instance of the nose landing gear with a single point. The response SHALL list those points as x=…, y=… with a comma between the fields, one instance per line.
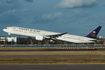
x=9, y=34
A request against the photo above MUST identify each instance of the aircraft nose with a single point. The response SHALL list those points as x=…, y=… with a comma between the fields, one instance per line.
x=4, y=29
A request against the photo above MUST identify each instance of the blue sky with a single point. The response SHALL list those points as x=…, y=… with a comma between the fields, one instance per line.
x=77, y=17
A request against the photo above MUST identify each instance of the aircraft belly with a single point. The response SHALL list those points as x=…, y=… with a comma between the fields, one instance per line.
x=74, y=40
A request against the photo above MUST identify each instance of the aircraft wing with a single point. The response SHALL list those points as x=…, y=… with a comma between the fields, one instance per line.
x=54, y=36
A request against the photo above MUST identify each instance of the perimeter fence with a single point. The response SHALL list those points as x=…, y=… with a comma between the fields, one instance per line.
x=59, y=46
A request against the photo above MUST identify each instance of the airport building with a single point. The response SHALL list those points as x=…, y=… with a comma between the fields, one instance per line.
x=8, y=39
x=101, y=37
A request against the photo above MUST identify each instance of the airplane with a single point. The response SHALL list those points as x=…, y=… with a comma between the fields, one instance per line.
x=41, y=35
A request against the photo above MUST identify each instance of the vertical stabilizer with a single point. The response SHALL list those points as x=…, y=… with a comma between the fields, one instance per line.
x=94, y=33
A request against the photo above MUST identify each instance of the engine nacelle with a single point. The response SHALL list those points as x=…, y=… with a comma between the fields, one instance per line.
x=39, y=37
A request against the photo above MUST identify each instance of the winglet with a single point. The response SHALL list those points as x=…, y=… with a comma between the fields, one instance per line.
x=94, y=33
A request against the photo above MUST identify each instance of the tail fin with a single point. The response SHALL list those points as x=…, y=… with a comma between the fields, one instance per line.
x=94, y=33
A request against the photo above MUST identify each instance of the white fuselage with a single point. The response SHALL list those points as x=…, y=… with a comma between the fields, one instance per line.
x=34, y=32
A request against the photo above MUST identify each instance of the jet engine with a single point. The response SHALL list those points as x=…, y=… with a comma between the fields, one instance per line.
x=39, y=37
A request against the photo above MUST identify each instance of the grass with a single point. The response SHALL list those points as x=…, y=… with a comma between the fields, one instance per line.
x=53, y=53
x=50, y=60
x=54, y=60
